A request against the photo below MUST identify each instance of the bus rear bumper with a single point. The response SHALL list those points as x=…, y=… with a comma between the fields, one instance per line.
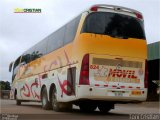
x=108, y=94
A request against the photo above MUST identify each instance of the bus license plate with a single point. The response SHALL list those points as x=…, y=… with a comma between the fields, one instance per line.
x=118, y=93
x=136, y=92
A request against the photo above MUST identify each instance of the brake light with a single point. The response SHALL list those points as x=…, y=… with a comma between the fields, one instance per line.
x=84, y=73
x=139, y=16
x=146, y=75
x=94, y=8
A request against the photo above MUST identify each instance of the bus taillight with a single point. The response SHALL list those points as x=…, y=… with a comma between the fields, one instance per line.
x=84, y=73
x=146, y=75
x=94, y=8
x=139, y=16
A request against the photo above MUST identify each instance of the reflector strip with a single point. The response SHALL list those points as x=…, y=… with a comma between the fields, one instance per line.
x=114, y=86
x=122, y=86
x=130, y=87
x=97, y=85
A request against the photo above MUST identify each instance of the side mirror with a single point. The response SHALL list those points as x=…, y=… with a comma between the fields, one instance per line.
x=10, y=66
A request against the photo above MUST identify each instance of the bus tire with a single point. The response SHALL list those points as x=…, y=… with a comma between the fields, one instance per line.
x=87, y=107
x=55, y=103
x=18, y=102
x=105, y=107
x=46, y=105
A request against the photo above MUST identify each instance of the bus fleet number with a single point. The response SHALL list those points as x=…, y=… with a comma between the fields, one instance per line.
x=94, y=66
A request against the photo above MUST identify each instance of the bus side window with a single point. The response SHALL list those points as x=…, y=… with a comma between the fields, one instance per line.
x=55, y=40
x=71, y=29
x=40, y=49
x=25, y=59
x=69, y=33
x=15, y=68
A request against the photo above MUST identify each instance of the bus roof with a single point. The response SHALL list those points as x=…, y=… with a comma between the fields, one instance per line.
x=101, y=7
x=115, y=7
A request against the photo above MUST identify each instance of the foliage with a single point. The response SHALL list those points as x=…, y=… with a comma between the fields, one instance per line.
x=5, y=85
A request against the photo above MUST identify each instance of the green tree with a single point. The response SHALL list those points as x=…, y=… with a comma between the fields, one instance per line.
x=5, y=85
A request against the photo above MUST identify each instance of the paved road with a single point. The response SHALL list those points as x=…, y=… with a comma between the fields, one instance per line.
x=34, y=111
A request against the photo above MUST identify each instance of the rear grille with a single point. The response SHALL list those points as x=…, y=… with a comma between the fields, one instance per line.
x=112, y=62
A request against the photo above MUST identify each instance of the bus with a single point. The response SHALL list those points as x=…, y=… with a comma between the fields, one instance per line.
x=96, y=60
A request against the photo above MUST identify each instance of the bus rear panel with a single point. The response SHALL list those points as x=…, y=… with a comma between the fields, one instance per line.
x=113, y=67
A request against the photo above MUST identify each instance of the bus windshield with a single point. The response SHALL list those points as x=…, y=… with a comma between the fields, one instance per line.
x=114, y=25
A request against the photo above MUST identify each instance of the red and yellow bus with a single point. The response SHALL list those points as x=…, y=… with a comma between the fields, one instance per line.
x=97, y=59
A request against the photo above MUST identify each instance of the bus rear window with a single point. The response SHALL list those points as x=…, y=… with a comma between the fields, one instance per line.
x=114, y=25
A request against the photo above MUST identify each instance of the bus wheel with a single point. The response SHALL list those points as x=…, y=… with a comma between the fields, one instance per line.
x=18, y=102
x=104, y=107
x=46, y=105
x=55, y=103
x=87, y=107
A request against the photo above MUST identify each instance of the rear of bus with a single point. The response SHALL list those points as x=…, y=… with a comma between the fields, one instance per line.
x=112, y=43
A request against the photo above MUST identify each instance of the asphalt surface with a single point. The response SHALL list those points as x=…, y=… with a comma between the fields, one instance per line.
x=33, y=111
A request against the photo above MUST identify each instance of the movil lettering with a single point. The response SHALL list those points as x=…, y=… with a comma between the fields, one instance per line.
x=122, y=73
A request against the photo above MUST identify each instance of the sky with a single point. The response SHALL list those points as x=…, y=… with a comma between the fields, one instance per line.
x=20, y=31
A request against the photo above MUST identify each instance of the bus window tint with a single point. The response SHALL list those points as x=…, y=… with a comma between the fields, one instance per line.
x=71, y=29
x=70, y=32
x=25, y=59
x=114, y=24
x=55, y=40
x=16, y=67
x=29, y=55
x=40, y=49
